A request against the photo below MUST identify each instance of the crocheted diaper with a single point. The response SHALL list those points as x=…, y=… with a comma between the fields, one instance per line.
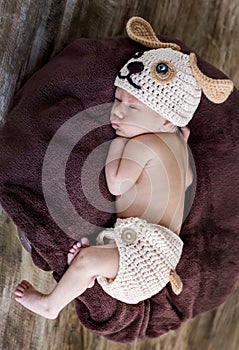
x=148, y=253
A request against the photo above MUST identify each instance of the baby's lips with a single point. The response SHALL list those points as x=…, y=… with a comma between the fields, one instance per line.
x=114, y=125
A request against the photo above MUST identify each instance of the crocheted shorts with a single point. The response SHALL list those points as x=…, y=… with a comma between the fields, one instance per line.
x=148, y=254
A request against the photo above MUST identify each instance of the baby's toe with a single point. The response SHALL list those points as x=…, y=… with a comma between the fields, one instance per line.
x=77, y=245
x=84, y=241
x=20, y=289
x=18, y=293
x=26, y=284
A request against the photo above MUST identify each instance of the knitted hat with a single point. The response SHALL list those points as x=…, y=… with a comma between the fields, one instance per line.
x=148, y=253
x=163, y=80
x=166, y=80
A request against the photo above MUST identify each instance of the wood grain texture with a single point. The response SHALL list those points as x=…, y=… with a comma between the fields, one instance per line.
x=21, y=329
x=31, y=32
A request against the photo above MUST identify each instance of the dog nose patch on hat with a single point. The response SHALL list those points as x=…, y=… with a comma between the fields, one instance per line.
x=129, y=235
x=135, y=67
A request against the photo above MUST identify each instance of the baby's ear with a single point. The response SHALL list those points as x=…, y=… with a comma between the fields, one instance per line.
x=185, y=132
x=167, y=123
x=168, y=126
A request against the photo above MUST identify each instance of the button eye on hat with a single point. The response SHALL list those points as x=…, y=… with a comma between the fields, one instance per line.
x=162, y=68
x=129, y=235
x=163, y=72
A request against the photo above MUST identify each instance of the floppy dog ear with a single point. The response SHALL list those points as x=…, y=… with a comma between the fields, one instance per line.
x=138, y=29
x=216, y=90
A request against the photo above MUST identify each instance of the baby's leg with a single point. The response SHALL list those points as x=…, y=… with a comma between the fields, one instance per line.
x=89, y=263
x=34, y=300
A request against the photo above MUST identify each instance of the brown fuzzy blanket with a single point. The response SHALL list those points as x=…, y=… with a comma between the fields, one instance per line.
x=55, y=190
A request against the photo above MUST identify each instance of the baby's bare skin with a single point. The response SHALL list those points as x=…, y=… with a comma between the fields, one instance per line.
x=74, y=250
x=38, y=302
x=157, y=177
x=87, y=264
x=151, y=160
x=33, y=300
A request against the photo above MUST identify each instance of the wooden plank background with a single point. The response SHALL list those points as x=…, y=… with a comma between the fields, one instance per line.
x=31, y=32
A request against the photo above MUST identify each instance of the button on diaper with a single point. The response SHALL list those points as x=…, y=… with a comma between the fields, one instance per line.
x=129, y=235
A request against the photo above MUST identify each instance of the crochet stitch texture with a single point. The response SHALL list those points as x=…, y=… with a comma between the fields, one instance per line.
x=145, y=264
x=174, y=94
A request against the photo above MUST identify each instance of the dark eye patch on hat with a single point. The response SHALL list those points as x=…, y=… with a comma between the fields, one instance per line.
x=138, y=54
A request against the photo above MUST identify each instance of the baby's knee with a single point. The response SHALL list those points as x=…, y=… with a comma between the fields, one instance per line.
x=84, y=259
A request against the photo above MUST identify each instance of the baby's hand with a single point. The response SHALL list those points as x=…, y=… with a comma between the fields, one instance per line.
x=185, y=132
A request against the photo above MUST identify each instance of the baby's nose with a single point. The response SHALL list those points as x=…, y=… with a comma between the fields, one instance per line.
x=119, y=111
x=119, y=115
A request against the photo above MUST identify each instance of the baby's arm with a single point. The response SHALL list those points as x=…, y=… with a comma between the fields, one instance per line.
x=124, y=164
x=189, y=173
x=89, y=263
x=114, y=155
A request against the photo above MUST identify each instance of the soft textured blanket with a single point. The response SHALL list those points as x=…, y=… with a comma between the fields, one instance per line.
x=51, y=190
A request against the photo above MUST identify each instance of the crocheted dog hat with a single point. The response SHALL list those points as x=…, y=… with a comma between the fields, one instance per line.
x=149, y=254
x=166, y=80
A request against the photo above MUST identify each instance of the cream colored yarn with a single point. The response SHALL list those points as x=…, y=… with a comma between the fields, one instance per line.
x=175, y=95
x=147, y=264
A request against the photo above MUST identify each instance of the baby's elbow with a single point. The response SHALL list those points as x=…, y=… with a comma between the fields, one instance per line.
x=113, y=183
x=117, y=188
x=114, y=189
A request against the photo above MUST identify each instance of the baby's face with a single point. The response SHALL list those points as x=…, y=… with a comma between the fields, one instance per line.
x=130, y=117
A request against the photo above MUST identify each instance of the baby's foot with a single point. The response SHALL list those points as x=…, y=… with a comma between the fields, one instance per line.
x=76, y=248
x=33, y=300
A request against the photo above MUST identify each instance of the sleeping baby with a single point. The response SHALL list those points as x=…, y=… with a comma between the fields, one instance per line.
x=147, y=169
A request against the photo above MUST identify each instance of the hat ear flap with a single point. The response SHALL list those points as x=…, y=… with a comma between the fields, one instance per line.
x=141, y=31
x=216, y=90
x=176, y=282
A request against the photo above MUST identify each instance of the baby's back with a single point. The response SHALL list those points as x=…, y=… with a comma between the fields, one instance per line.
x=159, y=192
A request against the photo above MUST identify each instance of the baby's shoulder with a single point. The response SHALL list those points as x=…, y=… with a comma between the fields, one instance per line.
x=163, y=145
x=160, y=139
x=149, y=137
